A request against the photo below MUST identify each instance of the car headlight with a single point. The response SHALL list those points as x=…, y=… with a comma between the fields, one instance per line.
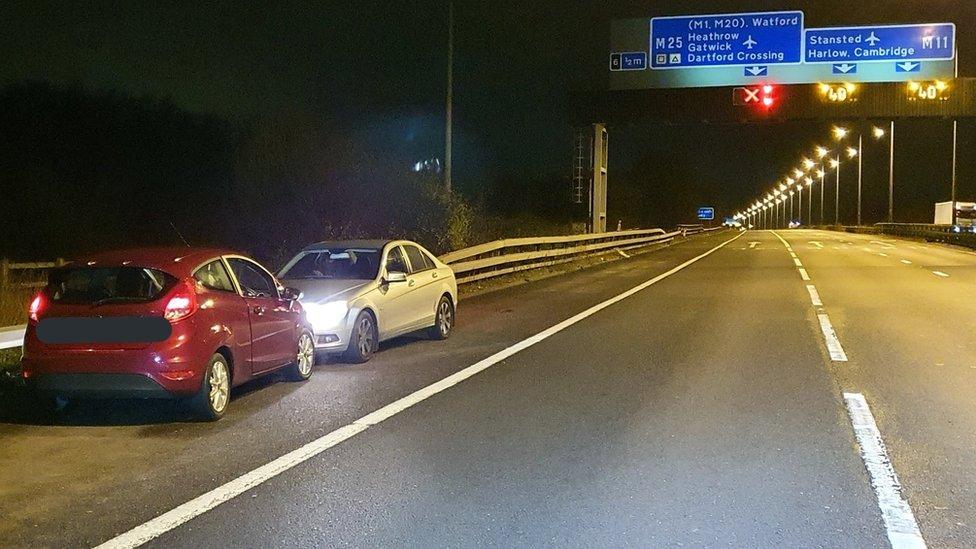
x=327, y=315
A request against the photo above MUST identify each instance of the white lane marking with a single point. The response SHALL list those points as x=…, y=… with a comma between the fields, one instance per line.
x=817, y=244
x=834, y=347
x=882, y=254
x=940, y=273
x=623, y=253
x=753, y=245
x=882, y=244
x=899, y=520
x=906, y=262
x=205, y=502
x=803, y=274
x=797, y=262
x=814, y=295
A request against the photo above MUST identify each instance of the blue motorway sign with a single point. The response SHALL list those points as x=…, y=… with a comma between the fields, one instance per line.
x=759, y=39
x=628, y=61
x=884, y=43
x=706, y=214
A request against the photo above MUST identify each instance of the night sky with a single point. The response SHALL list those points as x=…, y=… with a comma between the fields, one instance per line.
x=518, y=67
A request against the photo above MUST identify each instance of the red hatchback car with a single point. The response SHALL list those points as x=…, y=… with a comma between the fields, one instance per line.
x=164, y=323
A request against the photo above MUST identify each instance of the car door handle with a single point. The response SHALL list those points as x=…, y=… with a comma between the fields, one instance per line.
x=434, y=275
x=412, y=283
x=259, y=310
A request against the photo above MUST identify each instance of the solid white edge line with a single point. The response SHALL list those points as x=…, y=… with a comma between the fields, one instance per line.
x=201, y=504
x=834, y=347
x=814, y=295
x=940, y=273
x=899, y=520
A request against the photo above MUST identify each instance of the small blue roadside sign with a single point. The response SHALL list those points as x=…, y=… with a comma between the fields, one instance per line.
x=756, y=39
x=628, y=61
x=706, y=214
x=884, y=43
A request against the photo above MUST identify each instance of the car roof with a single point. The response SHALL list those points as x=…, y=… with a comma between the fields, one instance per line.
x=330, y=244
x=175, y=260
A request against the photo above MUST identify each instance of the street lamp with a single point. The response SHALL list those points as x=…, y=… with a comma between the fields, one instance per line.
x=839, y=132
x=878, y=134
x=821, y=174
x=809, y=181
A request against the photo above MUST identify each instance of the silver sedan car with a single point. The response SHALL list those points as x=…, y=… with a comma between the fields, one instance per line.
x=358, y=293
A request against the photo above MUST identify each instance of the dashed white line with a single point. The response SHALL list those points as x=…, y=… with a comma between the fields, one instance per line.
x=797, y=262
x=803, y=274
x=834, y=347
x=899, y=520
x=814, y=295
x=906, y=262
x=201, y=504
x=882, y=254
x=940, y=273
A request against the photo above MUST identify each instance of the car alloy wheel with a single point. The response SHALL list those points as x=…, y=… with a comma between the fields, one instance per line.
x=306, y=355
x=364, y=335
x=218, y=382
x=445, y=318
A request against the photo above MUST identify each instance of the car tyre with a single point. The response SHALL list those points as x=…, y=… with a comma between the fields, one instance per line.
x=364, y=339
x=443, y=319
x=210, y=403
x=301, y=369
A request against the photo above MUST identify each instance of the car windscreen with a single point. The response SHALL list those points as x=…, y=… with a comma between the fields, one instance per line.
x=337, y=264
x=97, y=285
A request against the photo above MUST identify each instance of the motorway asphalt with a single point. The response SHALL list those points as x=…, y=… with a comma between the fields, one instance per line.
x=704, y=410
x=909, y=336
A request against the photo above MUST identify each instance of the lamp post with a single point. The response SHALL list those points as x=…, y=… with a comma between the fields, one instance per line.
x=858, y=152
x=835, y=164
x=821, y=153
x=839, y=135
x=809, y=181
x=878, y=134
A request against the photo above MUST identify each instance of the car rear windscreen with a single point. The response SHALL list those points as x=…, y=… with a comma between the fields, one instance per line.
x=96, y=285
x=341, y=264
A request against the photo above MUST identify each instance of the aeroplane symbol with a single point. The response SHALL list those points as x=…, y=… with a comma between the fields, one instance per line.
x=749, y=43
x=872, y=39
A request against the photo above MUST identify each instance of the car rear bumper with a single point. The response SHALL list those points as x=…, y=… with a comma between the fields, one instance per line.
x=101, y=386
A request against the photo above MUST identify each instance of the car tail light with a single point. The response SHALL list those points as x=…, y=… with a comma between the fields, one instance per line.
x=36, y=307
x=181, y=303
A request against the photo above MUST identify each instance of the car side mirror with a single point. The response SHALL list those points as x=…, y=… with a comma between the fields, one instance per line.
x=291, y=294
x=395, y=276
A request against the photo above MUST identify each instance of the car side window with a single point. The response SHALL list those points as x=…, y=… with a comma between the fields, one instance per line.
x=431, y=264
x=253, y=280
x=395, y=261
x=417, y=260
x=214, y=276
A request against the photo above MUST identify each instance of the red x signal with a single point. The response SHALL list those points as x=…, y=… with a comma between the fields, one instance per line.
x=761, y=96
